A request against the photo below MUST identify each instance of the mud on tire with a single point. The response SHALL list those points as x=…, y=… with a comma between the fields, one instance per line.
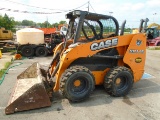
x=118, y=81
x=77, y=83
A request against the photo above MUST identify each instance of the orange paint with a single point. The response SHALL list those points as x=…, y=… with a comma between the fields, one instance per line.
x=127, y=47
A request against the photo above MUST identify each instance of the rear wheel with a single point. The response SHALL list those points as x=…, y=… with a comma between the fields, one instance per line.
x=77, y=83
x=118, y=81
x=27, y=51
x=41, y=52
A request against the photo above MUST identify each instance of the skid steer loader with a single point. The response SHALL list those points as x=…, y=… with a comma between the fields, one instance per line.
x=93, y=53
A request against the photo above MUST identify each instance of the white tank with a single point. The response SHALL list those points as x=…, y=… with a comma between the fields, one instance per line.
x=30, y=35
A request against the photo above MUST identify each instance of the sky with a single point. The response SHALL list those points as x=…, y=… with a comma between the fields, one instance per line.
x=130, y=10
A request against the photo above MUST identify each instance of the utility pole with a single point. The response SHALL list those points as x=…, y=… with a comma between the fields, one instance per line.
x=88, y=6
x=47, y=21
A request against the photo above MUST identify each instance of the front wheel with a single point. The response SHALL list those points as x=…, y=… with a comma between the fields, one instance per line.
x=118, y=81
x=77, y=83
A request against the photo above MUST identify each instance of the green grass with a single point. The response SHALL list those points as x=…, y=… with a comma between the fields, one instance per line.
x=153, y=48
x=126, y=33
x=2, y=71
x=13, y=50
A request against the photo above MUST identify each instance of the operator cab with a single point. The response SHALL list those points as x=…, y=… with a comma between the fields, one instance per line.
x=152, y=33
x=85, y=26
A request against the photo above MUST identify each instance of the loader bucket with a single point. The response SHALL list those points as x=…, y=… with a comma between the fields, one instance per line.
x=29, y=92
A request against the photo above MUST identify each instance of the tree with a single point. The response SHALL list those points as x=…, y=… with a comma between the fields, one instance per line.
x=127, y=30
x=1, y=19
x=46, y=24
x=7, y=22
x=62, y=22
x=18, y=23
x=55, y=25
x=28, y=23
x=39, y=25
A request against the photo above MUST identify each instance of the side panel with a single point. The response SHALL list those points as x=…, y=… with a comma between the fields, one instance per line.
x=136, y=55
x=5, y=34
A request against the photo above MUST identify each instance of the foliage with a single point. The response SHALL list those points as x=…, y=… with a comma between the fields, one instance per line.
x=55, y=24
x=2, y=71
x=127, y=30
x=7, y=22
x=154, y=48
x=62, y=22
x=28, y=23
x=45, y=24
x=18, y=23
x=7, y=65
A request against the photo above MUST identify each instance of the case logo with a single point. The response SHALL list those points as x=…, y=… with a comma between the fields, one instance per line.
x=139, y=42
x=104, y=44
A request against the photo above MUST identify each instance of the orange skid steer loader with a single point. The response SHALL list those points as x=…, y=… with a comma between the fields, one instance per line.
x=93, y=53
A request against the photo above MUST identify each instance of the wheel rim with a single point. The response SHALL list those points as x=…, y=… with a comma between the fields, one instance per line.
x=41, y=52
x=121, y=83
x=79, y=85
x=28, y=51
x=118, y=81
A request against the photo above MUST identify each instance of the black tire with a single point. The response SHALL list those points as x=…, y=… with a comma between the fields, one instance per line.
x=118, y=81
x=27, y=51
x=41, y=52
x=83, y=89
